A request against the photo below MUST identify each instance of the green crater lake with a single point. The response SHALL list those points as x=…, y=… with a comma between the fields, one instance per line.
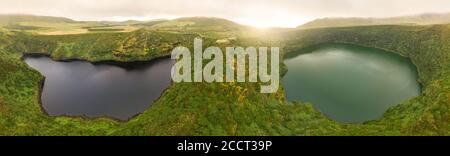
x=349, y=83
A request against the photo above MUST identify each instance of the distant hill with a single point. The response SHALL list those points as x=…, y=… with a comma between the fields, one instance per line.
x=208, y=21
x=9, y=19
x=196, y=24
x=423, y=19
x=46, y=25
x=205, y=26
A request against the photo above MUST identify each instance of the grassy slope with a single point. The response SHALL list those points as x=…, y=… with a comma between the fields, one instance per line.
x=225, y=108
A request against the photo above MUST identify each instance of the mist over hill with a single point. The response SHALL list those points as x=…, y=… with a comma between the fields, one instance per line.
x=47, y=25
x=422, y=19
x=17, y=18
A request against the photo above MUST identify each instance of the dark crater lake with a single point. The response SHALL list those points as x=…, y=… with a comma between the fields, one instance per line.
x=120, y=90
x=349, y=83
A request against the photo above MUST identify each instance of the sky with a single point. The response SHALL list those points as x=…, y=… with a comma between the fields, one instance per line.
x=259, y=13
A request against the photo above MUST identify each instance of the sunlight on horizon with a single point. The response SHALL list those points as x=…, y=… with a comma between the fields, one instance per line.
x=273, y=23
x=258, y=22
x=257, y=13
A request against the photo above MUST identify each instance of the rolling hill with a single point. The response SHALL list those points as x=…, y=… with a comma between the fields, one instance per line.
x=423, y=19
x=46, y=25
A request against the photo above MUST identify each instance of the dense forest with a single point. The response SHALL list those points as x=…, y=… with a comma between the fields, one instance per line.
x=223, y=108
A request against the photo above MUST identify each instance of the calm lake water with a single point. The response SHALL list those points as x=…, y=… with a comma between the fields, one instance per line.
x=78, y=88
x=349, y=83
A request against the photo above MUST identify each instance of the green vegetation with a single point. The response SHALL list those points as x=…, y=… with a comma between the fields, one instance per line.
x=132, y=46
x=223, y=108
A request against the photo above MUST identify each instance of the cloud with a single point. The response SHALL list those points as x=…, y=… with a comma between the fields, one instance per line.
x=269, y=12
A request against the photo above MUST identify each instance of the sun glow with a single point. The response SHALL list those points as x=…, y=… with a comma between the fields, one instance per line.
x=284, y=21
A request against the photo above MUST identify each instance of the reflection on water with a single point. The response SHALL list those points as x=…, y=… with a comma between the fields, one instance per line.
x=81, y=88
x=350, y=83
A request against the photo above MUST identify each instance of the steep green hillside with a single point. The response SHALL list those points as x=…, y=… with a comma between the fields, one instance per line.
x=225, y=108
x=20, y=112
x=132, y=46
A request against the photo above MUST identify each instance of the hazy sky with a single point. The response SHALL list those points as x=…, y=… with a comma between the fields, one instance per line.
x=261, y=13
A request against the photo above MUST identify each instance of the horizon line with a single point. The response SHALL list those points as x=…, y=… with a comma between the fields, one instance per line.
x=149, y=19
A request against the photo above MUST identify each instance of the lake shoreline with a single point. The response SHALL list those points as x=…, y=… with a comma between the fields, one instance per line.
x=312, y=66
x=100, y=62
x=121, y=64
x=421, y=83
